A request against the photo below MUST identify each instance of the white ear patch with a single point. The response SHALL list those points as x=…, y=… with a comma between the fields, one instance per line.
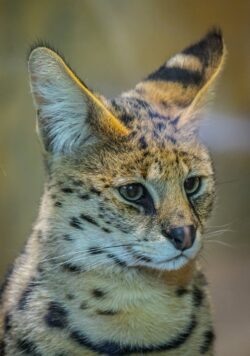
x=61, y=103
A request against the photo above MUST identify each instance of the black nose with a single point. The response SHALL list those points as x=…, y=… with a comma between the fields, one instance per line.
x=181, y=237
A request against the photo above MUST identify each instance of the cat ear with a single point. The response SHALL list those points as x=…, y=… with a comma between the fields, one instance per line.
x=69, y=114
x=182, y=83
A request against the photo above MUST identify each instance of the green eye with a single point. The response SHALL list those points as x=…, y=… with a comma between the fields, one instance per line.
x=132, y=192
x=192, y=185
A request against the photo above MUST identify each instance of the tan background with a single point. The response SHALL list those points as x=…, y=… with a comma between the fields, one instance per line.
x=113, y=44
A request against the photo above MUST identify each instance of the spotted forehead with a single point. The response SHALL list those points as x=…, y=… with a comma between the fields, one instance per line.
x=149, y=124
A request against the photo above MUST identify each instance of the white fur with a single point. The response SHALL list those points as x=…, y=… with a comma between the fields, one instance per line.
x=61, y=103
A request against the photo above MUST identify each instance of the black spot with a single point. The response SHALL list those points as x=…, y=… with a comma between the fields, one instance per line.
x=77, y=182
x=108, y=231
x=70, y=296
x=67, y=190
x=142, y=143
x=84, y=196
x=75, y=222
x=95, y=191
x=201, y=279
x=171, y=139
x=177, y=75
x=175, y=121
x=117, y=349
x=88, y=219
x=28, y=347
x=23, y=301
x=84, y=305
x=67, y=237
x=58, y=204
x=126, y=119
x=181, y=291
x=156, y=115
x=7, y=323
x=69, y=267
x=209, y=337
x=95, y=250
x=56, y=316
x=160, y=126
x=98, y=293
x=40, y=268
x=198, y=296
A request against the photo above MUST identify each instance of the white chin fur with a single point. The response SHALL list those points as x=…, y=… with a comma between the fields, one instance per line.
x=171, y=265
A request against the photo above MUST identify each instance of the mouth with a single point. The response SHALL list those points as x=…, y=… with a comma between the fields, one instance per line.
x=172, y=258
x=173, y=263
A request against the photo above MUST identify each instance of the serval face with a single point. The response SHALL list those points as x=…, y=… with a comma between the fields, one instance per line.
x=129, y=184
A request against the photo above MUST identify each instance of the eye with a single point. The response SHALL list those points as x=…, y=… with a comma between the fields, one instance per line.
x=192, y=185
x=132, y=192
x=137, y=194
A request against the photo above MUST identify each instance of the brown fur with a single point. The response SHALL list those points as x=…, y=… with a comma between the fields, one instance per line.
x=97, y=275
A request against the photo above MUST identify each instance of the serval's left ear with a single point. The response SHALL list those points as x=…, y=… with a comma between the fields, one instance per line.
x=182, y=83
x=69, y=114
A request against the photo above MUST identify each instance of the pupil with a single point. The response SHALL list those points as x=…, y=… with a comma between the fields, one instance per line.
x=132, y=191
x=191, y=183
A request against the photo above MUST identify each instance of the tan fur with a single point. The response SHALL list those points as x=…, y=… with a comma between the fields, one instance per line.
x=98, y=276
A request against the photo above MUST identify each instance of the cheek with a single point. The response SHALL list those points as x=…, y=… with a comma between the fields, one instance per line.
x=204, y=205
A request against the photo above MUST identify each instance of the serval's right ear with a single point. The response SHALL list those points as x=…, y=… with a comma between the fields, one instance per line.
x=69, y=114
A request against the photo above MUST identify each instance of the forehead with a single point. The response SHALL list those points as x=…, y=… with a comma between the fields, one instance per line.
x=149, y=164
x=150, y=125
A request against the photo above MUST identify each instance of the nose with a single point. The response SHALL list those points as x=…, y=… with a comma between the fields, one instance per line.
x=181, y=237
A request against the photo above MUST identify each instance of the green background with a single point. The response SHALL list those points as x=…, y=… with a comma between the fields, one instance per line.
x=112, y=44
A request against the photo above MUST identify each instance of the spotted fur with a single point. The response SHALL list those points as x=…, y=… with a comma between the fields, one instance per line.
x=100, y=275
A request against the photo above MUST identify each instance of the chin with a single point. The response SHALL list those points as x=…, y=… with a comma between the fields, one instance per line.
x=173, y=264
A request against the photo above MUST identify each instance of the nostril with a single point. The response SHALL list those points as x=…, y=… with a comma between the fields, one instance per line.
x=182, y=237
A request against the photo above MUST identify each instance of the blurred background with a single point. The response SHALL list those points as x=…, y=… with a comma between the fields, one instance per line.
x=112, y=44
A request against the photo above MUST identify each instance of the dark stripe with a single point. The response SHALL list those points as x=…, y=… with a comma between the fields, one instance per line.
x=177, y=75
x=198, y=297
x=181, y=291
x=95, y=191
x=7, y=323
x=6, y=281
x=2, y=348
x=142, y=143
x=84, y=196
x=27, y=346
x=88, y=219
x=106, y=312
x=23, y=301
x=75, y=222
x=98, y=293
x=208, y=341
x=116, y=349
x=69, y=267
x=67, y=190
x=117, y=261
x=95, y=250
